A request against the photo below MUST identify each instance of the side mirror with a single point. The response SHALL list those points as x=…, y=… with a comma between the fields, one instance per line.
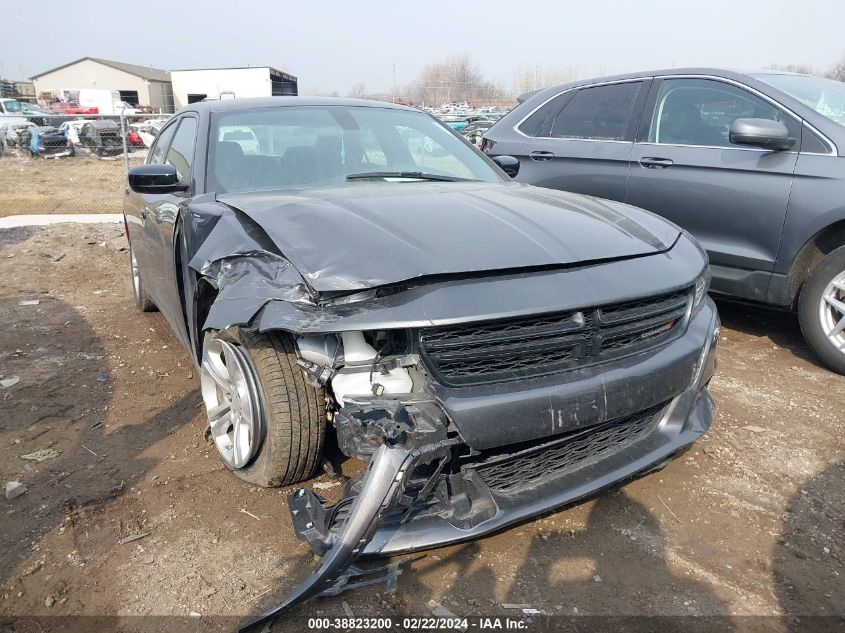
x=155, y=179
x=509, y=164
x=763, y=133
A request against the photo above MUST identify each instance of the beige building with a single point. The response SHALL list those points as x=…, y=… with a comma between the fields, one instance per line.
x=137, y=85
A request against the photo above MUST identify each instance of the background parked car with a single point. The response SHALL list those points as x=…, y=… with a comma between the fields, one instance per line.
x=101, y=137
x=751, y=164
x=475, y=131
x=72, y=107
x=12, y=132
x=10, y=117
x=133, y=137
x=107, y=102
x=243, y=136
x=45, y=141
x=71, y=129
x=148, y=130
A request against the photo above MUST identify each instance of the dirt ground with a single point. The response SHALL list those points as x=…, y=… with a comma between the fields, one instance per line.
x=80, y=184
x=747, y=523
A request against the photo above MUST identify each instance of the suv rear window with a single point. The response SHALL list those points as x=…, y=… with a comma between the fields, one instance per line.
x=599, y=113
x=540, y=123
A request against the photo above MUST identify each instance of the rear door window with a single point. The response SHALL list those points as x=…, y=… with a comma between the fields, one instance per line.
x=601, y=113
x=540, y=122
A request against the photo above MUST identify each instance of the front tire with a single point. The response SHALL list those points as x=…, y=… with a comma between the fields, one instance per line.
x=267, y=423
x=821, y=310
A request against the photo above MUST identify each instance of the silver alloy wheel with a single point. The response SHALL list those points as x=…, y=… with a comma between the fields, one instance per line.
x=231, y=401
x=136, y=275
x=832, y=312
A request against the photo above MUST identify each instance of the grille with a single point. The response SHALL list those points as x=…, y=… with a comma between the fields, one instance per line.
x=507, y=349
x=529, y=466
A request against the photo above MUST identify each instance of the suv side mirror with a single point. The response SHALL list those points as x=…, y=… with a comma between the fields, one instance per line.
x=155, y=179
x=509, y=164
x=763, y=133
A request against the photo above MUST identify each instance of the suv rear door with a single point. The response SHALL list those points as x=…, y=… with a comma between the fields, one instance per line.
x=732, y=198
x=581, y=139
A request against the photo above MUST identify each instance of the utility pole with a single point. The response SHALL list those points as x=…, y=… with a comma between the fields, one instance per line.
x=394, y=81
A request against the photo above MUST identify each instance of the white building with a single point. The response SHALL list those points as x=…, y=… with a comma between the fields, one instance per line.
x=192, y=85
x=137, y=85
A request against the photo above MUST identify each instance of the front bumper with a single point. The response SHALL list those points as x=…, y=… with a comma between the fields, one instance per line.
x=680, y=426
x=683, y=419
x=371, y=528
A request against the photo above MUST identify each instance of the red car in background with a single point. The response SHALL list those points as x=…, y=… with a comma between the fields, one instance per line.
x=134, y=138
x=71, y=107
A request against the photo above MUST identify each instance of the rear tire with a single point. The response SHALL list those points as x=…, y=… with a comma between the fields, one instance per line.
x=292, y=412
x=821, y=310
x=142, y=300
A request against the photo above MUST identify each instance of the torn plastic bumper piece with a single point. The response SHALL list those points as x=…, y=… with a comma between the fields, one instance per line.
x=383, y=487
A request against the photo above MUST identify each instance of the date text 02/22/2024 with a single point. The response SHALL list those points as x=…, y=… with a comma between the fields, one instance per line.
x=420, y=623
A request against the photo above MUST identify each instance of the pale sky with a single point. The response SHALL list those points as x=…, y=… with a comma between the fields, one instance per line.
x=332, y=45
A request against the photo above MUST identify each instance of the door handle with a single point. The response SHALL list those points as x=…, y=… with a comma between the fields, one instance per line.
x=651, y=162
x=542, y=155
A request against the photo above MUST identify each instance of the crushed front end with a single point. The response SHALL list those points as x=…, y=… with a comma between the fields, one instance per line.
x=469, y=426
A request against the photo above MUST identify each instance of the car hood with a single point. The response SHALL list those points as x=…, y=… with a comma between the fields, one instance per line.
x=367, y=235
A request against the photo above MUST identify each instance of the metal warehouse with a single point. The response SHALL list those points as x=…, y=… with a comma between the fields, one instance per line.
x=192, y=85
x=137, y=85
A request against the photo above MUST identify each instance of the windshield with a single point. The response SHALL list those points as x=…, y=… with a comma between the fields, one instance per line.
x=317, y=146
x=825, y=96
x=12, y=106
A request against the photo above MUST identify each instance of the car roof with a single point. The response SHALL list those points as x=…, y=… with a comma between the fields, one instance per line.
x=232, y=105
x=717, y=72
x=750, y=78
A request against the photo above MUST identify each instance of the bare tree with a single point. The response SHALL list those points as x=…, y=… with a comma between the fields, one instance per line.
x=528, y=79
x=358, y=90
x=804, y=69
x=454, y=80
x=837, y=72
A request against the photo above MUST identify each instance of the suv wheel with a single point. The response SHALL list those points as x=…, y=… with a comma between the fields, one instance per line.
x=267, y=423
x=142, y=300
x=821, y=310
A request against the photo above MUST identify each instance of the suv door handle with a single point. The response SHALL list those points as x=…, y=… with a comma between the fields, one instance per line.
x=651, y=162
x=542, y=155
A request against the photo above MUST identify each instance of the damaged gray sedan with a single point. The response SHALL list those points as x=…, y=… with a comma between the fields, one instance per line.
x=490, y=349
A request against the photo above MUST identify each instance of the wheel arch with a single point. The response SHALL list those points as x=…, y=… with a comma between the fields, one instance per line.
x=195, y=292
x=810, y=254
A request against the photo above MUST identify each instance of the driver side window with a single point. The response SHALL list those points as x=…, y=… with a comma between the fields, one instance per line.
x=159, y=149
x=701, y=111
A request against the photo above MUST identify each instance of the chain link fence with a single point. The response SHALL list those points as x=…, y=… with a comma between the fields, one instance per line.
x=70, y=163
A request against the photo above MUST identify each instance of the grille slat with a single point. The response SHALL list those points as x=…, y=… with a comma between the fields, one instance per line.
x=509, y=330
x=514, y=472
x=507, y=349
